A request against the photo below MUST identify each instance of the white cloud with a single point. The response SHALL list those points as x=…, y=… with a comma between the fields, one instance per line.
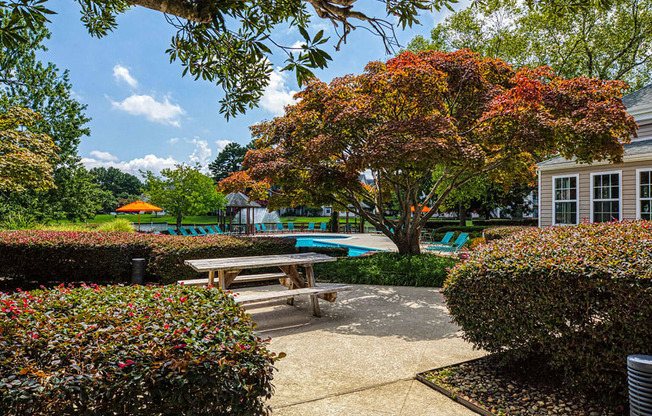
x=145, y=105
x=277, y=95
x=149, y=162
x=173, y=140
x=221, y=144
x=201, y=154
x=120, y=73
x=104, y=156
x=298, y=44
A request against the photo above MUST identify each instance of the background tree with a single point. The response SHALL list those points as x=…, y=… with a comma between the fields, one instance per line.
x=229, y=160
x=76, y=196
x=612, y=44
x=43, y=88
x=458, y=113
x=484, y=195
x=122, y=186
x=27, y=158
x=182, y=191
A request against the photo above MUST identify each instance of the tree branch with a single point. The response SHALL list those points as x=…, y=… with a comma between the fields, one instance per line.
x=194, y=11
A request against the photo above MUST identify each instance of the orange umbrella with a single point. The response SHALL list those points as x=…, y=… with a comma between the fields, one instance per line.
x=138, y=206
x=423, y=209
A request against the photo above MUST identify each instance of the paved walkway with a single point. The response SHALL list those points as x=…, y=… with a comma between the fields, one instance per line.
x=361, y=357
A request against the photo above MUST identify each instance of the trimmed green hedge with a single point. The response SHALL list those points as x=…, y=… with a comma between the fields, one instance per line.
x=387, y=269
x=137, y=350
x=527, y=222
x=166, y=263
x=578, y=296
x=89, y=256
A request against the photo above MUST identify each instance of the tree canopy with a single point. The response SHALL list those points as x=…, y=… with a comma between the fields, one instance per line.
x=459, y=113
x=227, y=161
x=611, y=44
x=183, y=191
x=27, y=158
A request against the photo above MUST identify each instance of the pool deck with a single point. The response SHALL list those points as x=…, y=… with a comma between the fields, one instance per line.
x=372, y=241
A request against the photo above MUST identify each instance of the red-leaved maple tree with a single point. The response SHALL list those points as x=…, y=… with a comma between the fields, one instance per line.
x=424, y=124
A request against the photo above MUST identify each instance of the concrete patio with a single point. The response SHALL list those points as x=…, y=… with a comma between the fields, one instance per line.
x=361, y=357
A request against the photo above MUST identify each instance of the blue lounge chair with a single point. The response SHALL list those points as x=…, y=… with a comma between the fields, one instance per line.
x=218, y=229
x=262, y=225
x=183, y=231
x=291, y=226
x=279, y=227
x=209, y=230
x=258, y=229
x=193, y=231
x=202, y=231
x=172, y=232
x=311, y=226
x=456, y=246
x=322, y=226
x=446, y=241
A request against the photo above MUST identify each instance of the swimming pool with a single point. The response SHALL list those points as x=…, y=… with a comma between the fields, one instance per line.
x=317, y=241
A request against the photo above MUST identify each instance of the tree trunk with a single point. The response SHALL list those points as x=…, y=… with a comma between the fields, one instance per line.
x=408, y=243
x=461, y=214
x=179, y=218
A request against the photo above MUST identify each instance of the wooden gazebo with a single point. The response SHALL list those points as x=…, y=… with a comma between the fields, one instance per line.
x=239, y=201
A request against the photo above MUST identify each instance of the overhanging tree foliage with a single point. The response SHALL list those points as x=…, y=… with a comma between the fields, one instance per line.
x=456, y=113
x=612, y=44
x=229, y=42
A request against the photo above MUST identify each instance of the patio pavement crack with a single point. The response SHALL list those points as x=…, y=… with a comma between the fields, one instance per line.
x=343, y=393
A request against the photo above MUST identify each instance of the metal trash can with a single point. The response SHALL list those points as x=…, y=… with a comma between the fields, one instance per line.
x=639, y=378
x=137, y=271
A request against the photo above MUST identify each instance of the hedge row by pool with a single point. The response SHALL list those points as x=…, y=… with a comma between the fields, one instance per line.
x=106, y=256
x=579, y=296
x=115, y=350
x=387, y=269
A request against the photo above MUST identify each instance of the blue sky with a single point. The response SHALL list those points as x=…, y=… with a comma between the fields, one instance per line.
x=146, y=116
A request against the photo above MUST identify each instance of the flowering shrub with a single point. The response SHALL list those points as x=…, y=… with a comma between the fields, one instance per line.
x=106, y=256
x=578, y=296
x=496, y=233
x=476, y=242
x=137, y=350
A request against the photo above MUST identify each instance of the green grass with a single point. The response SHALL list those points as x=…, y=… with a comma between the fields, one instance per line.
x=160, y=219
x=387, y=269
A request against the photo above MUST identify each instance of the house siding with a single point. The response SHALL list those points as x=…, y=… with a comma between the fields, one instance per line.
x=628, y=188
x=644, y=130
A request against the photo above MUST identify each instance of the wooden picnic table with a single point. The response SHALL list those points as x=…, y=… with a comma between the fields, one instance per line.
x=228, y=271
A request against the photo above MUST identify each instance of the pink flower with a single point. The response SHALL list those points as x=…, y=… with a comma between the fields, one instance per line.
x=183, y=299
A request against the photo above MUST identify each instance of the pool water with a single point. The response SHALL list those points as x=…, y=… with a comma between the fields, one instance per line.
x=317, y=241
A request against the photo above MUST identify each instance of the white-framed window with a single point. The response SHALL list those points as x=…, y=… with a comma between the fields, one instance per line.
x=564, y=199
x=644, y=194
x=605, y=196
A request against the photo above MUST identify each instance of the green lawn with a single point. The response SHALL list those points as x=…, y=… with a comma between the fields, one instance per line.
x=208, y=219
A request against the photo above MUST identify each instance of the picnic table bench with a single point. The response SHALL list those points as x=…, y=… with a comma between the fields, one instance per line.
x=228, y=272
